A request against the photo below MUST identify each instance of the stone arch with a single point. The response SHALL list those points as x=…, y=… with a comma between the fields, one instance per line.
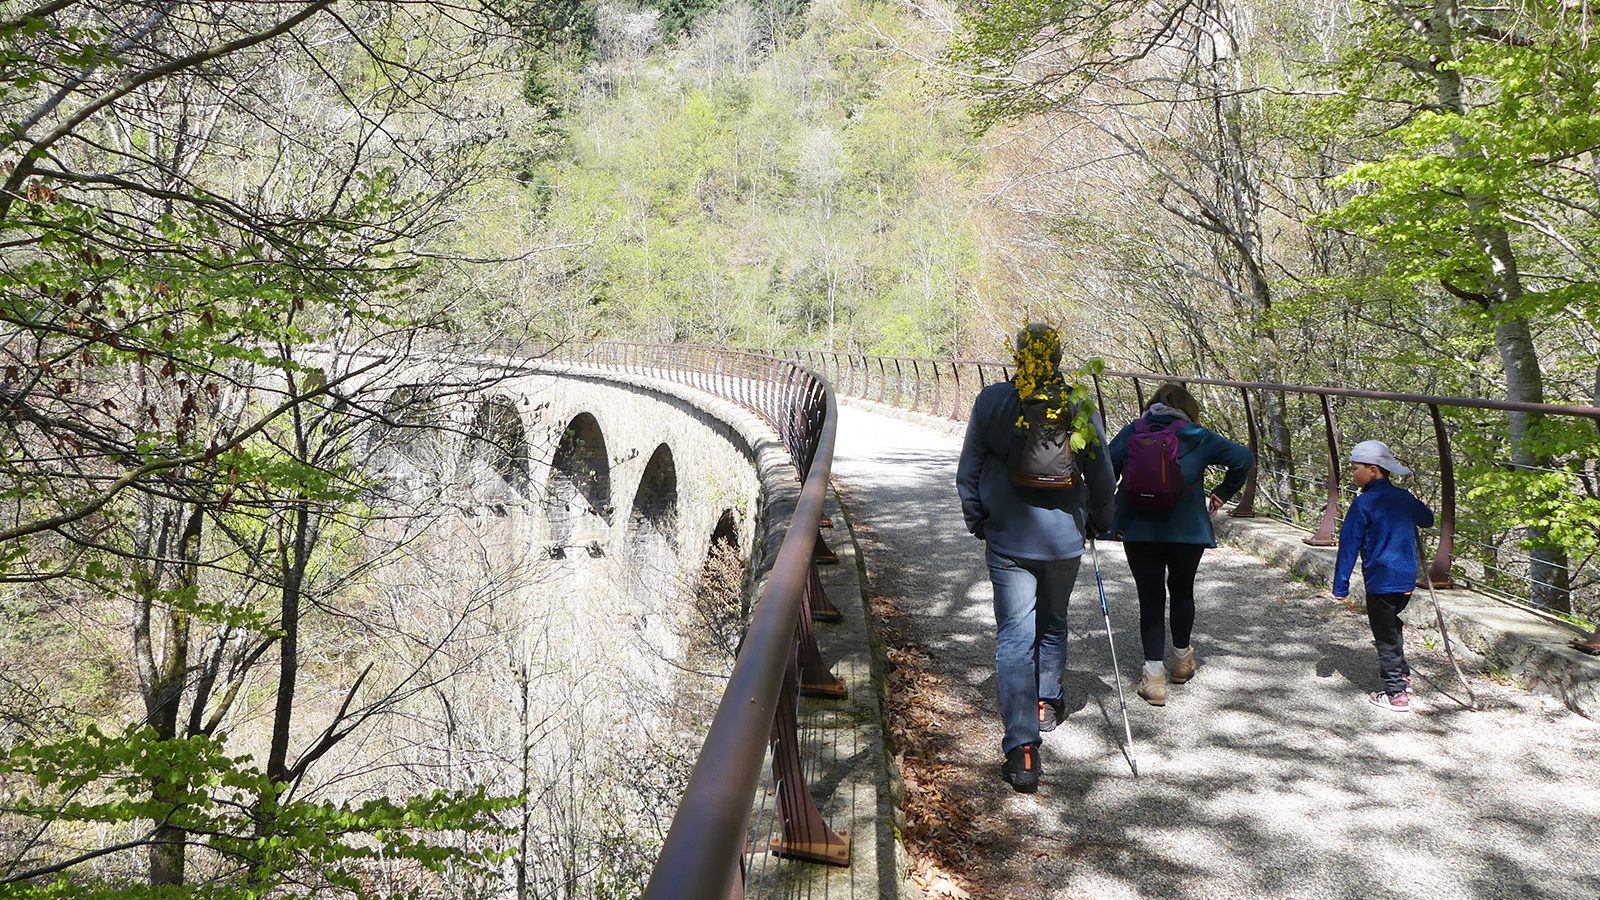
x=495, y=460
x=718, y=597
x=578, y=502
x=726, y=534
x=655, y=503
x=407, y=439
x=651, y=540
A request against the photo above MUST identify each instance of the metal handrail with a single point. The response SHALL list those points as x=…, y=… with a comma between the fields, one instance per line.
x=949, y=404
x=778, y=659
x=1553, y=409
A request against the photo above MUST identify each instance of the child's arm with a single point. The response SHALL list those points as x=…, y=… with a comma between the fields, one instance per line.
x=1350, y=540
x=1423, y=513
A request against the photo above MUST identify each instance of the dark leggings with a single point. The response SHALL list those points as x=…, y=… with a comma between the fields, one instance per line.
x=1160, y=568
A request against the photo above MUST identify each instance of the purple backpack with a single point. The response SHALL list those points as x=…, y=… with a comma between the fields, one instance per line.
x=1151, y=479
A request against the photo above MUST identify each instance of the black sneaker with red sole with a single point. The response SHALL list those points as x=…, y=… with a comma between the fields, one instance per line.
x=1021, y=769
x=1051, y=714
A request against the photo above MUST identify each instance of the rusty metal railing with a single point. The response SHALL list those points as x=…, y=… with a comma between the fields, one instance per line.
x=778, y=660
x=946, y=388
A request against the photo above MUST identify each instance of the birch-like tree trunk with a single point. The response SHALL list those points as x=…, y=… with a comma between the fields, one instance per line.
x=1513, y=338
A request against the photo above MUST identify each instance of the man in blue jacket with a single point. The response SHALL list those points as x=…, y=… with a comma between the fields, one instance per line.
x=1035, y=539
x=1381, y=527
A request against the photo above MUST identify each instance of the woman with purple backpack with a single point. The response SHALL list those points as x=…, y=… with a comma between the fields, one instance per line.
x=1163, y=517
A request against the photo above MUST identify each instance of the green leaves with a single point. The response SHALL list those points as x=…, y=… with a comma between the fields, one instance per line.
x=999, y=41
x=1503, y=160
x=135, y=780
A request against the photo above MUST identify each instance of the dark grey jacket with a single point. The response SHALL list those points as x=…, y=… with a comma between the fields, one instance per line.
x=1024, y=523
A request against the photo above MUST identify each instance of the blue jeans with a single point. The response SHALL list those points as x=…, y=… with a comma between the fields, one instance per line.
x=1030, y=616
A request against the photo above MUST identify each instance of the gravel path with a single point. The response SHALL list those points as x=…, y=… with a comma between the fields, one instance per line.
x=1266, y=776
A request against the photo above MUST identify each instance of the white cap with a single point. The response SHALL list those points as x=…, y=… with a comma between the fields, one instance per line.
x=1377, y=453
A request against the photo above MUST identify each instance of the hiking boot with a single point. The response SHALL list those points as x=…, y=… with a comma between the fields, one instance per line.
x=1021, y=769
x=1391, y=702
x=1182, y=666
x=1051, y=714
x=1153, y=688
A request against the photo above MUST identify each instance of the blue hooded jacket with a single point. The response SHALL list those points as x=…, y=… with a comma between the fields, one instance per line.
x=1190, y=521
x=1381, y=526
x=1025, y=523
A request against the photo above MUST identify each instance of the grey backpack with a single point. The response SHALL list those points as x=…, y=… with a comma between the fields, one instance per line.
x=1041, y=454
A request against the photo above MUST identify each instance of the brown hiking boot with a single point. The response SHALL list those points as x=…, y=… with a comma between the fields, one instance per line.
x=1182, y=666
x=1153, y=688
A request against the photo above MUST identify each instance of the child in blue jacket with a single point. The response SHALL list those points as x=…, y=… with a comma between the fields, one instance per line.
x=1381, y=527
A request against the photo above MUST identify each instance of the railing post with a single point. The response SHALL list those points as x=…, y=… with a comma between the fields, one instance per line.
x=1439, y=572
x=822, y=608
x=1138, y=392
x=938, y=388
x=744, y=383
x=1325, y=536
x=1246, y=507
x=883, y=383
x=824, y=554
x=916, y=385
x=805, y=835
x=1100, y=400
x=955, y=401
x=768, y=377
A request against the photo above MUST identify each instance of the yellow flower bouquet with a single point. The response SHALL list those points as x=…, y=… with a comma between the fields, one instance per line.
x=1050, y=400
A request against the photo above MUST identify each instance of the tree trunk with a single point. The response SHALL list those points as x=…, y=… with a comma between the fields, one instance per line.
x=525, y=775
x=1239, y=190
x=163, y=674
x=292, y=561
x=1551, y=585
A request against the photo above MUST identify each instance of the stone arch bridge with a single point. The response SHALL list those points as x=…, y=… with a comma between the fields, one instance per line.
x=584, y=464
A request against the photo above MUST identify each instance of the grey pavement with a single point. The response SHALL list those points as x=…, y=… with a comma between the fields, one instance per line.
x=1267, y=775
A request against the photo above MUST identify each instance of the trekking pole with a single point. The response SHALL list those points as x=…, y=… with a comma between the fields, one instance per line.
x=1116, y=673
x=1448, y=650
